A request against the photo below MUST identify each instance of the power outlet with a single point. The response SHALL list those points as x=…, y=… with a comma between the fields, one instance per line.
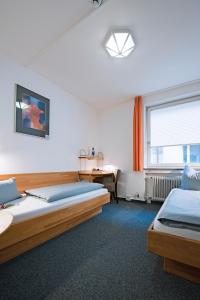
x=136, y=195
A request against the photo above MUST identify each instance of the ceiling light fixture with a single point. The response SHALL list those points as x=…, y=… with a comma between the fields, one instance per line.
x=96, y=3
x=120, y=43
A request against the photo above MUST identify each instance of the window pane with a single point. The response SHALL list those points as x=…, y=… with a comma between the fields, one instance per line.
x=168, y=155
x=175, y=125
x=195, y=153
x=175, y=154
x=173, y=136
x=185, y=154
x=156, y=155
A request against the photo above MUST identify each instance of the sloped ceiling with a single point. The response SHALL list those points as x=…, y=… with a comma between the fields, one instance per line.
x=63, y=41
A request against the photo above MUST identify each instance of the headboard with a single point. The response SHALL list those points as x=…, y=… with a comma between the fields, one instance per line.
x=36, y=180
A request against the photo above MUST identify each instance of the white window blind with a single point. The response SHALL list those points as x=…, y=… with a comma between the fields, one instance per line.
x=177, y=124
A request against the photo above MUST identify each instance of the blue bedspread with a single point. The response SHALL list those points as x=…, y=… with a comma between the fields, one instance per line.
x=57, y=192
x=181, y=210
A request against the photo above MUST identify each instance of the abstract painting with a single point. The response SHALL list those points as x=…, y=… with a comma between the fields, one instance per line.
x=32, y=113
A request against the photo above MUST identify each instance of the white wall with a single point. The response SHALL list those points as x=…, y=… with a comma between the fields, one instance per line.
x=116, y=125
x=73, y=125
x=116, y=134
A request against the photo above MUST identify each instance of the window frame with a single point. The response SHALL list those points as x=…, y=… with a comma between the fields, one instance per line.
x=148, y=131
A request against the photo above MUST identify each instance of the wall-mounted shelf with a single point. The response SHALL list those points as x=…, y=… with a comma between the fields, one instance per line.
x=91, y=157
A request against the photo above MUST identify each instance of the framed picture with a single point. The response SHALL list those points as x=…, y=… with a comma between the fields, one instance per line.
x=32, y=113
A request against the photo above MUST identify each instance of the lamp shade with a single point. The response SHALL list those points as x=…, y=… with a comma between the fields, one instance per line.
x=120, y=44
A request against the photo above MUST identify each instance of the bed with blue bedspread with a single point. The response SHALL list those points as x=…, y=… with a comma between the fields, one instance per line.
x=51, y=203
x=175, y=232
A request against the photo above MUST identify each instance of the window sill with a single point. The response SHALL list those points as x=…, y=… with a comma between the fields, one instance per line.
x=150, y=171
x=164, y=169
x=168, y=170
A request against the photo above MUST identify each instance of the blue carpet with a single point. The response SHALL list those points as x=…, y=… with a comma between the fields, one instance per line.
x=103, y=258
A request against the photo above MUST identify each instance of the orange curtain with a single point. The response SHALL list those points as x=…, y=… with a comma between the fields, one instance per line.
x=138, y=135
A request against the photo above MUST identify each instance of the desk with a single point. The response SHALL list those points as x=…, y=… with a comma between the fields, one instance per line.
x=91, y=175
x=5, y=221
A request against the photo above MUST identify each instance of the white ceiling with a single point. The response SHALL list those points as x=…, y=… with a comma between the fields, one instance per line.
x=63, y=41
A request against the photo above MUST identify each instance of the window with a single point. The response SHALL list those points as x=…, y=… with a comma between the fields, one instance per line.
x=173, y=133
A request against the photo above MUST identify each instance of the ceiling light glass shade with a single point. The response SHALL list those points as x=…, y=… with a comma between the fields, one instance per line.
x=120, y=44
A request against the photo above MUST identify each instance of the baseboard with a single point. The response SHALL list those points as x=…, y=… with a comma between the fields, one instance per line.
x=130, y=198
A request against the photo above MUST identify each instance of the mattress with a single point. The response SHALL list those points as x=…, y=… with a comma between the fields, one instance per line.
x=29, y=207
x=187, y=233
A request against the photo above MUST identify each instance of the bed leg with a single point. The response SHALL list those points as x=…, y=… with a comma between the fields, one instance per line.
x=188, y=272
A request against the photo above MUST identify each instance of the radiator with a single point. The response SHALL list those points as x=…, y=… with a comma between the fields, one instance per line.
x=157, y=187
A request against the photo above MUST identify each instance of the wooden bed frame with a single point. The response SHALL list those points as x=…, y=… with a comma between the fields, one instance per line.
x=181, y=255
x=23, y=236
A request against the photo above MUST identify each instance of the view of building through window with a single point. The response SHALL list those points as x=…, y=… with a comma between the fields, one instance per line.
x=176, y=154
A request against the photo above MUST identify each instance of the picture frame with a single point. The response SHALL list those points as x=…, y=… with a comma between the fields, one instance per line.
x=32, y=112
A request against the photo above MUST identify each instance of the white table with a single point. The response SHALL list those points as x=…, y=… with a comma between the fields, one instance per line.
x=5, y=221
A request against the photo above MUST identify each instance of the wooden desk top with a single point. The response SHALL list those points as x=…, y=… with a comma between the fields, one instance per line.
x=95, y=173
x=5, y=221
